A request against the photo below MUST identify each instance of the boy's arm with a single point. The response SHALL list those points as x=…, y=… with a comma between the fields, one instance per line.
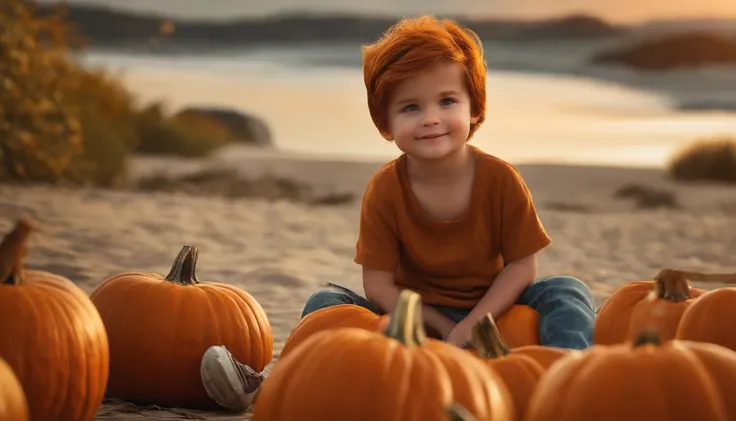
x=506, y=289
x=380, y=289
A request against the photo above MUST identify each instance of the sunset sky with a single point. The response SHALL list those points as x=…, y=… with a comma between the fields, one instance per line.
x=614, y=10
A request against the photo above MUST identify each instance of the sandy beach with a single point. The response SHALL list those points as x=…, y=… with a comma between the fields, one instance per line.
x=281, y=252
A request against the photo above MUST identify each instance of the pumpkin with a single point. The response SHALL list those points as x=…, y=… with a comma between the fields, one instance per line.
x=639, y=305
x=711, y=319
x=160, y=327
x=643, y=380
x=343, y=315
x=519, y=372
x=52, y=337
x=520, y=324
x=13, y=404
x=400, y=374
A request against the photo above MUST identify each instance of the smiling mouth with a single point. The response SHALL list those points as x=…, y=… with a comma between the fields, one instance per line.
x=432, y=136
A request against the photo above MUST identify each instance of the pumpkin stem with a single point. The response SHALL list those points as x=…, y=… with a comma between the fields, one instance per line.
x=183, y=270
x=13, y=249
x=724, y=278
x=405, y=323
x=457, y=412
x=671, y=285
x=648, y=337
x=487, y=339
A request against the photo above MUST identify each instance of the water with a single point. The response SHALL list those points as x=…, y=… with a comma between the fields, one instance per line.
x=313, y=99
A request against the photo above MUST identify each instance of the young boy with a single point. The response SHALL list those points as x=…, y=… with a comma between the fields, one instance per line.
x=445, y=219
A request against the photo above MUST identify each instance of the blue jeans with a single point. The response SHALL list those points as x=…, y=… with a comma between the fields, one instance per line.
x=565, y=306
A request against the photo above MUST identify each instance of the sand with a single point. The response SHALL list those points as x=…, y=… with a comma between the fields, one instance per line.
x=281, y=252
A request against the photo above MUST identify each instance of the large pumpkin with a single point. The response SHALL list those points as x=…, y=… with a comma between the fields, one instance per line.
x=52, y=337
x=360, y=375
x=644, y=380
x=711, y=319
x=343, y=315
x=639, y=305
x=13, y=404
x=160, y=327
x=519, y=372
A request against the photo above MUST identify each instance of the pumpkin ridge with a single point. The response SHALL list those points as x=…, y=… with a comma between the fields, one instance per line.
x=13, y=249
x=261, y=347
x=60, y=350
x=183, y=269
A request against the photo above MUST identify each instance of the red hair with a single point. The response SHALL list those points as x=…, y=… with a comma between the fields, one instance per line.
x=413, y=45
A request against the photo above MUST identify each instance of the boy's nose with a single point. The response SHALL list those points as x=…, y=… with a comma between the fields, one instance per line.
x=431, y=118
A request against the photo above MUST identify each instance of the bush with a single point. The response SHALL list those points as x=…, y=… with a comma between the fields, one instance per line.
x=711, y=159
x=60, y=122
x=159, y=133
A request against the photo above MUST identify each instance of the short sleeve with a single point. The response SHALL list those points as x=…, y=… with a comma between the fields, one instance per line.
x=522, y=232
x=378, y=243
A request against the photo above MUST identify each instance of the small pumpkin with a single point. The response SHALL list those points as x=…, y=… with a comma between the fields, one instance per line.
x=360, y=375
x=657, y=304
x=52, y=337
x=711, y=319
x=343, y=315
x=643, y=380
x=519, y=372
x=519, y=326
x=13, y=404
x=160, y=327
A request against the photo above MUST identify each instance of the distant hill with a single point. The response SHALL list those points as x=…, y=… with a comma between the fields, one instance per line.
x=106, y=27
x=684, y=50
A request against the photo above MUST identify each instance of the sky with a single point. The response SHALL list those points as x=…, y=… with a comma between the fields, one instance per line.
x=623, y=11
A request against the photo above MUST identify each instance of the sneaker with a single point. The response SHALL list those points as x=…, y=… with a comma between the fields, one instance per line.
x=229, y=383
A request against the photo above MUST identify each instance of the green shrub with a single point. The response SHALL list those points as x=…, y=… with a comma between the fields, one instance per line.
x=40, y=135
x=712, y=159
x=61, y=122
x=161, y=133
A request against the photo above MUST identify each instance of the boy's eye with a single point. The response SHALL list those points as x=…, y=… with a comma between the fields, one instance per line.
x=447, y=101
x=411, y=107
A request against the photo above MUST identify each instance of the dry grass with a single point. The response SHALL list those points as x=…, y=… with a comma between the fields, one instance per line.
x=712, y=159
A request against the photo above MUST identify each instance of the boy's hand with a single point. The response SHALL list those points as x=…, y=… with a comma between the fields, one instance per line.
x=461, y=334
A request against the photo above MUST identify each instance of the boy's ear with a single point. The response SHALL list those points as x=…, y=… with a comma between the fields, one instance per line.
x=388, y=136
x=474, y=119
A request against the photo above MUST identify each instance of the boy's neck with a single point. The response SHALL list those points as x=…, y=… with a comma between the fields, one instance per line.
x=450, y=167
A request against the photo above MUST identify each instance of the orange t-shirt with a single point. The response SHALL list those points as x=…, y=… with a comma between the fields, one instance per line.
x=448, y=263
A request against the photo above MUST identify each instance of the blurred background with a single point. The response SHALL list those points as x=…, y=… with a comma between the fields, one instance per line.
x=611, y=82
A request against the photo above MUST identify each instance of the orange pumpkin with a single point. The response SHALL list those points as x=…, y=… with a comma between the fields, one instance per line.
x=520, y=372
x=520, y=324
x=13, y=404
x=710, y=319
x=359, y=375
x=640, y=380
x=160, y=327
x=343, y=315
x=640, y=305
x=52, y=337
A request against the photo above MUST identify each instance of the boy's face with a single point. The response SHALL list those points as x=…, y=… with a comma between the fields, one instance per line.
x=429, y=114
